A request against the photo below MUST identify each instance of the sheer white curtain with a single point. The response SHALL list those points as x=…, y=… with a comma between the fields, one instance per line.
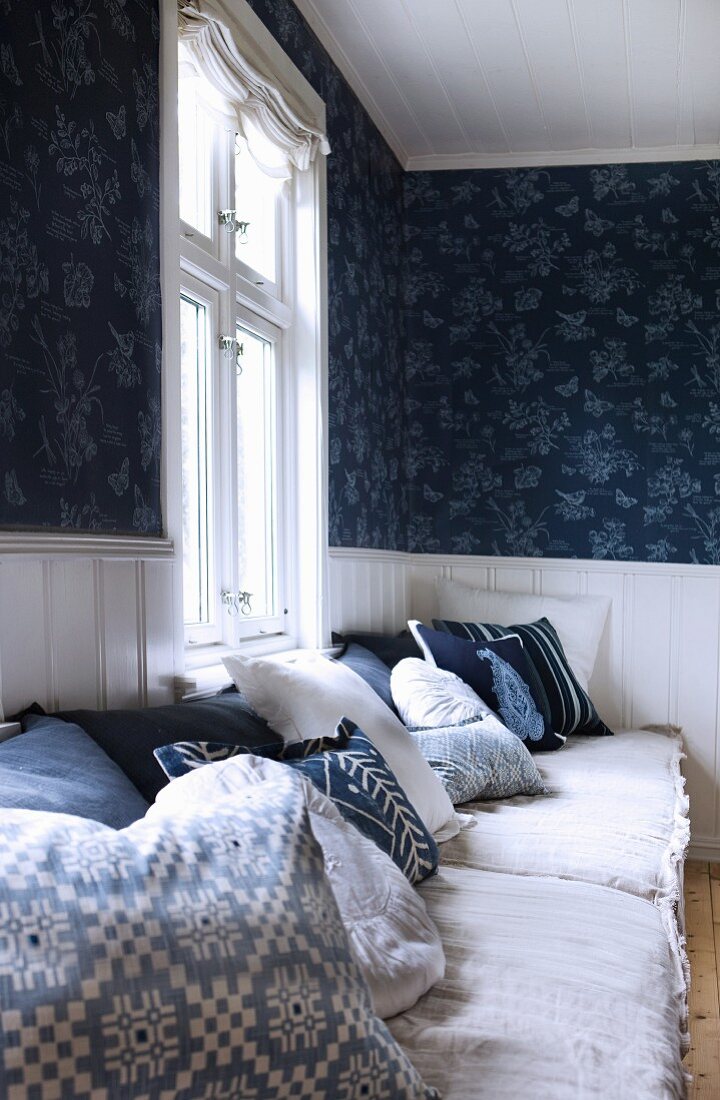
x=278, y=137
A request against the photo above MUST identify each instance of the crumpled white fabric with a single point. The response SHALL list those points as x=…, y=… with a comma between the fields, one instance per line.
x=428, y=696
x=393, y=939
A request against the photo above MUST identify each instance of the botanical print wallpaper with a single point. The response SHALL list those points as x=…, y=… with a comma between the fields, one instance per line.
x=80, y=338
x=368, y=500
x=563, y=361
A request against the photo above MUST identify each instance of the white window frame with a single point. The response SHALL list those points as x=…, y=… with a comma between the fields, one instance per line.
x=303, y=359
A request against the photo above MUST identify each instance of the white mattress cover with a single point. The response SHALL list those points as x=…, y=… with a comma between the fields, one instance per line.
x=616, y=815
x=553, y=991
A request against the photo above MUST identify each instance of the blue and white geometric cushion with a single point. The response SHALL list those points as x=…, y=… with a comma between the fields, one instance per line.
x=201, y=958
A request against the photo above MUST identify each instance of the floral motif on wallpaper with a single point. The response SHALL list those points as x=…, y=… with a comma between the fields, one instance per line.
x=368, y=500
x=80, y=336
x=563, y=361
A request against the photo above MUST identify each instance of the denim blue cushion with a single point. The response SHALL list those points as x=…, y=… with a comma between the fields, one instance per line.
x=349, y=770
x=190, y=956
x=55, y=766
x=479, y=759
x=370, y=669
x=502, y=676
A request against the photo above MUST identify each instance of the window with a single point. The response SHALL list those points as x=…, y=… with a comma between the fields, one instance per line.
x=245, y=463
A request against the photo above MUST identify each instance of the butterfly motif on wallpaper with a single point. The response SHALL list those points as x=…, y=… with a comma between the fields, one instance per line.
x=431, y=322
x=13, y=492
x=595, y=224
x=120, y=481
x=431, y=494
x=595, y=406
x=625, y=319
x=138, y=175
x=569, y=208
x=667, y=401
x=117, y=123
x=573, y=498
x=567, y=389
x=624, y=501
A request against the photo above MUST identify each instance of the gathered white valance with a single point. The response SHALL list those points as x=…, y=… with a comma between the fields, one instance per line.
x=278, y=137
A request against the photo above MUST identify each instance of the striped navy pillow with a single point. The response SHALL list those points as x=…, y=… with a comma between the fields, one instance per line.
x=571, y=709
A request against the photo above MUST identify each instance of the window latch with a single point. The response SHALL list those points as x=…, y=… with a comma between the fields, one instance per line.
x=232, y=348
x=236, y=602
x=228, y=218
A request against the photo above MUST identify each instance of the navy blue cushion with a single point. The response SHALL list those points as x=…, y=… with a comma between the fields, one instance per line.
x=390, y=648
x=55, y=766
x=129, y=736
x=501, y=674
x=571, y=709
x=349, y=770
x=371, y=669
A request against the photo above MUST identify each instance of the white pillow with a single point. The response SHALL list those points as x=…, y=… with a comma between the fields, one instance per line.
x=426, y=695
x=307, y=697
x=394, y=941
x=579, y=620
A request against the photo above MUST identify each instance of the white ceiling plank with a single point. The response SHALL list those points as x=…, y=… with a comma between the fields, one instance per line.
x=403, y=52
x=653, y=27
x=445, y=35
x=601, y=47
x=494, y=31
x=700, y=109
x=548, y=34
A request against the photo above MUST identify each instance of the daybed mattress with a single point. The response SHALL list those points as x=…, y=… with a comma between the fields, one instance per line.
x=615, y=815
x=557, y=990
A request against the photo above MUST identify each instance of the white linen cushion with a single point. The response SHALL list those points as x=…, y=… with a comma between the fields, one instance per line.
x=307, y=697
x=578, y=620
x=428, y=696
x=394, y=942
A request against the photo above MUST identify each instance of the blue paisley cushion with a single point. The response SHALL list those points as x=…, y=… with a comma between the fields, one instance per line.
x=571, y=709
x=500, y=673
x=216, y=966
x=479, y=759
x=350, y=771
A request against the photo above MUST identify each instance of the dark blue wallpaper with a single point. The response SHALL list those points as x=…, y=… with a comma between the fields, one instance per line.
x=368, y=500
x=563, y=361
x=80, y=338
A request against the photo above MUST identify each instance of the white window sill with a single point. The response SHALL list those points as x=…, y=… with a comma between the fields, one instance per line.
x=208, y=675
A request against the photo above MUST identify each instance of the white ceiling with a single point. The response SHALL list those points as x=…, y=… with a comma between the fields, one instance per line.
x=488, y=83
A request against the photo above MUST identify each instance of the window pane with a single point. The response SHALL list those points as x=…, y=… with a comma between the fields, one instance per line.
x=256, y=202
x=194, y=390
x=256, y=473
x=195, y=152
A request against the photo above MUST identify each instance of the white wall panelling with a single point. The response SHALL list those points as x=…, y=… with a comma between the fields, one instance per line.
x=85, y=622
x=659, y=658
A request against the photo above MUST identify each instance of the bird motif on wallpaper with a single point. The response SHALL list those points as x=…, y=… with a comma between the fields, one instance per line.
x=515, y=703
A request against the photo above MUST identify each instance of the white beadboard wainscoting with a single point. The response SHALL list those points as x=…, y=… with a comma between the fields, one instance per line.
x=659, y=659
x=85, y=621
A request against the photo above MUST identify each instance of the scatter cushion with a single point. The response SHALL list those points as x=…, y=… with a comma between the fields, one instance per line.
x=129, y=736
x=500, y=673
x=217, y=963
x=348, y=769
x=480, y=760
x=370, y=669
x=571, y=709
x=307, y=697
x=55, y=766
x=390, y=648
x=393, y=940
x=578, y=620
x=425, y=695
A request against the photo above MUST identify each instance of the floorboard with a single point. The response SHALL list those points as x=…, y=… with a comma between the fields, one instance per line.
x=702, y=913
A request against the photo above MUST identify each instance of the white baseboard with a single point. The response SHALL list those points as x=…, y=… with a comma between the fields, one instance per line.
x=706, y=849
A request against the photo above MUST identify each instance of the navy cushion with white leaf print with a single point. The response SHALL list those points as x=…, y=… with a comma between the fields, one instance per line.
x=349, y=770
x=502, y=676
x=571, y=709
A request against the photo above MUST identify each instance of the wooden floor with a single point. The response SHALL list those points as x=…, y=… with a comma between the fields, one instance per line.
x=702, y=915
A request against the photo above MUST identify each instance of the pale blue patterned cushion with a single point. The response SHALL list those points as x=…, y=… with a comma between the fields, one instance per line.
x=479, y=759
x=352, y=773
x=195, y=957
